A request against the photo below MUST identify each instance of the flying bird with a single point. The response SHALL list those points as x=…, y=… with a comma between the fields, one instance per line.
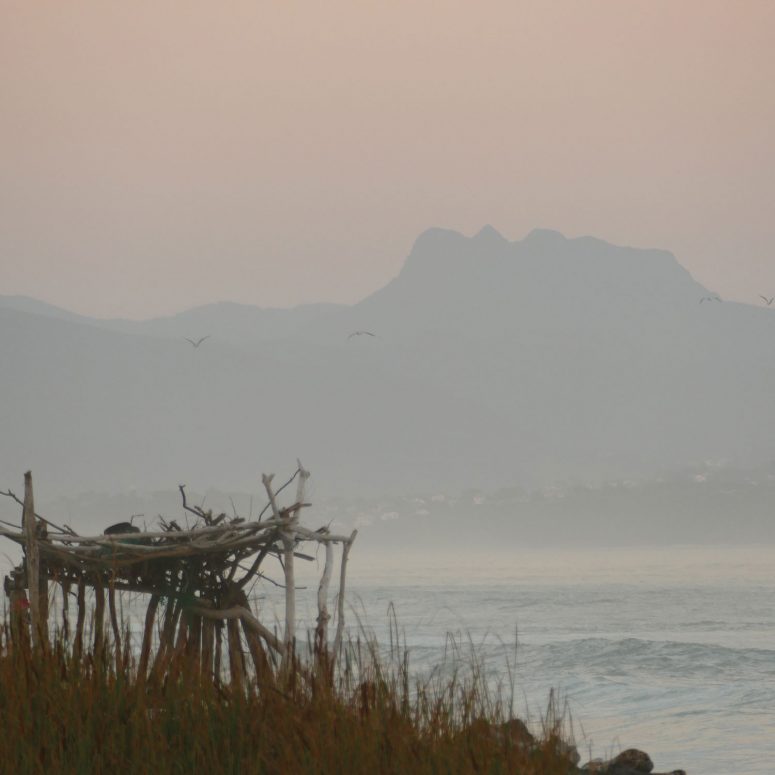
x=361, y=333
x=709, y=298
x=767, y=301
x=198, y=341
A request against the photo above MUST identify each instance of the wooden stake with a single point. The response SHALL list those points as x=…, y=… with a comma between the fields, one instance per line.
x=237, y=597
x=66, y=609
x=15, y=586
x=340, y=602
x=194, y=645
x=208, y=637
x=257, y=651
x=288, y=539
x=33, y=561
x=81, y=618
x=321, y=631
x=236, y=663
x=145, y=649
x=182, y=638
x=218, y=651
x=99, y=616
x=114, y=623
x=171, y=614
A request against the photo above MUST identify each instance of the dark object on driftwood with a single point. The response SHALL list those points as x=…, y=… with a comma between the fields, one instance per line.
x=120, y=528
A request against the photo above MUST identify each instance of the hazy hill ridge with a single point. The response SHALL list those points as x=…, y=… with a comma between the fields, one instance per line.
x=495, y=363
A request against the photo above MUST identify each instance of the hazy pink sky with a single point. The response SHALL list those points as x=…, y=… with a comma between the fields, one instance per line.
x=155, y=155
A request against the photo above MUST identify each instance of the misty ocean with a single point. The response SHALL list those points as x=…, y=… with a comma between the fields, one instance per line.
x=671, y=650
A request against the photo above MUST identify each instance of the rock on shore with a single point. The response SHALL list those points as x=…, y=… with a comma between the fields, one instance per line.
x=629, y=762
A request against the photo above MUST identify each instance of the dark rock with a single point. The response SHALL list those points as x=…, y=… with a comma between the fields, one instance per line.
x=629, y=762
x=638, y=761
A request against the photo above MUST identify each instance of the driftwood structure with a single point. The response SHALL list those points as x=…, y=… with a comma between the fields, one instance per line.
x=193, y=582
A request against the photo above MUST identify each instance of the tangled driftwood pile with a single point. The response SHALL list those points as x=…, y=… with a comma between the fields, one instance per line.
x=195, y=579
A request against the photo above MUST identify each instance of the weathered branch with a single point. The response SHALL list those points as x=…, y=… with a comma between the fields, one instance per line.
x=64, y=529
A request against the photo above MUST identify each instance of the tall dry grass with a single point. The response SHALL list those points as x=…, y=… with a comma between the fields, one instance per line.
x=61, y=713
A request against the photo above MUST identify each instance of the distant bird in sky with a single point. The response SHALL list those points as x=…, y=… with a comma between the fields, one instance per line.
x=767, y=301
x=709, y=298
x=198, y=341
x=361, y=333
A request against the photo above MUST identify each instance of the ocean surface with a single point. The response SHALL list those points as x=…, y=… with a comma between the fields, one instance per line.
x=670, y=650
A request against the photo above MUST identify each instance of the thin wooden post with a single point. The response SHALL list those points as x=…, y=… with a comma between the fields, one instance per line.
x=65, y=584
x=218, y=651
x=114, y=622
x=236, y=663
x=15, y=587
x=321, y=631
x=237, y=597
x=42, y=585
x=257, y=651
x=166, y=640
x=208, y=636
x=145, y=649
x=99, y=616
x=340, y=601
x=287, y=537
x=33, y=562
x=194, y=645
x=176, y=662
x=80, y=619
x=290, y=591
x=182, y=631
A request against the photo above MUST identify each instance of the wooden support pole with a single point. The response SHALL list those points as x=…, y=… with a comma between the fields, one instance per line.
x=257, y=651
x=145, y=649
x=208, y=638
x=194, y=644
x=99, y=616
x=237, y=597
x=182, y=639
x=217, y=659
x=175, y=660
x=167, y=638
x=15, y=587
x=65, y=584
x=288, y=538
x=32, y=563
x=80, y=619
x=114, y=623
x=340, y=602
x=236, y=659
x=321, y=630
x=43, y=587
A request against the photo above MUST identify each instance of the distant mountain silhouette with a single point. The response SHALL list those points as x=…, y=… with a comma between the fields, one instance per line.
x=496, y=363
